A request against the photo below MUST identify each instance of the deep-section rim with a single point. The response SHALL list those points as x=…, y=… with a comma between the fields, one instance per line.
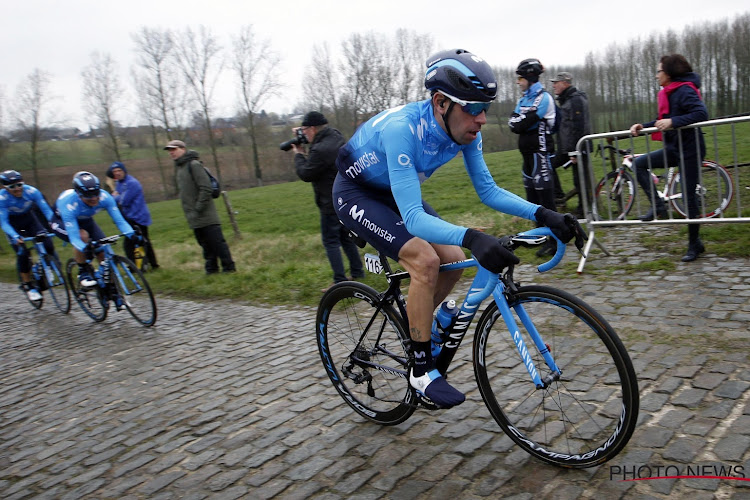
x=622, y=426
x=364, y=294
x=85, y=296
x=56, y=290
x=146, y=288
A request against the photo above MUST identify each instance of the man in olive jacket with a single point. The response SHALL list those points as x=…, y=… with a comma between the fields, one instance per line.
x=195, y=189
x=319, y=168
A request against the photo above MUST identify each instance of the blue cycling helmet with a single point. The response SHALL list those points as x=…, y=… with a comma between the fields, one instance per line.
x=462, y=75
x=86, y=185
x=9, y=177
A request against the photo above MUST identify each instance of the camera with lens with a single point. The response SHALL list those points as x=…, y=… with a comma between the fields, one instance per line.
x=298, y=139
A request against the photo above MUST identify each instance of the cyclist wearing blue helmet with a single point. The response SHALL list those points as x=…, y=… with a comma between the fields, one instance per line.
x=377, y=194
x=74, y=220
x=19, y=204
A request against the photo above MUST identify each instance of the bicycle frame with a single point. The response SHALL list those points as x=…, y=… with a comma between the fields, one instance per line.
x=115, y=271
x=485, y=284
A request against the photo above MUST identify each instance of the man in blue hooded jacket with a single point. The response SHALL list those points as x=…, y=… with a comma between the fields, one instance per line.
x=128, y=194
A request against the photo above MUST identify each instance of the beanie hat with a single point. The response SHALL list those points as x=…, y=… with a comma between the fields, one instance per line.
x=115, y=165
x=313, y=119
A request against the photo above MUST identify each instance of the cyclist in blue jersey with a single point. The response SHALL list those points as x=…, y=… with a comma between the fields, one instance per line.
x=74, y=221
x=377, y=195
x=18, y=204
x=534, y=121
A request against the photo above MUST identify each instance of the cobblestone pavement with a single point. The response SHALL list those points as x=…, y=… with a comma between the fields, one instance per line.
x=225, y=400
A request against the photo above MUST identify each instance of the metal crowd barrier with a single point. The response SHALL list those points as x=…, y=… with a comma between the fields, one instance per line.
x=609, y=202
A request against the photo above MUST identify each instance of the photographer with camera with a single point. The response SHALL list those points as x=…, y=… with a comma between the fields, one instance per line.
x=319, y=168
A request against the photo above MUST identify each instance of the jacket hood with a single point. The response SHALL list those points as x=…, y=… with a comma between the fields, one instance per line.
x=188, y=156
x=691, y=77
x=115, y=165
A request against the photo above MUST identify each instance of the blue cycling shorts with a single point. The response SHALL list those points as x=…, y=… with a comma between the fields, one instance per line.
x=372, y=215
x=88, y=225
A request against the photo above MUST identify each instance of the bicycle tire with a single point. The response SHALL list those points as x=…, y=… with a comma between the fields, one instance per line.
x=91, y=300
x=614, y=201
x=57, y=285
x=581, y=420
x=135, y=291
x=711, y=190
x=350, y=352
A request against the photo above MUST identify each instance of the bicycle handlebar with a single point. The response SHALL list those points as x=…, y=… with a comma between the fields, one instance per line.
x=533, y=237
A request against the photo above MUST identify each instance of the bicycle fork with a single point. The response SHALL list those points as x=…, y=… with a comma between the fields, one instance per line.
x=544, y=350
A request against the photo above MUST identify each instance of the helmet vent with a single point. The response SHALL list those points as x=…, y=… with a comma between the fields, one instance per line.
x=457, y=79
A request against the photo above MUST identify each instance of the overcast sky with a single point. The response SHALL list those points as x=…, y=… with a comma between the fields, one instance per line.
x=59, y=36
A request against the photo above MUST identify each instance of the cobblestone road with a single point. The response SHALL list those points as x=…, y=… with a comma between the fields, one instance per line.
x=224, y=400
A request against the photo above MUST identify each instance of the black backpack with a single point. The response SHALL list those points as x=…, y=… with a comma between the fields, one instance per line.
x=215, y=187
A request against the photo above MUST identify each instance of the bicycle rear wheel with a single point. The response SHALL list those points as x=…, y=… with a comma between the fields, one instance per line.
x=614, y=196
x=584, y=418
x=134, y=291
x=92, y=300
x=57, y=286
x=362, y=343
x=714, y=192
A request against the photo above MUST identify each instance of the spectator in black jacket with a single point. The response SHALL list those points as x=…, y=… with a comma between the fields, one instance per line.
x=573, y=124
x=319, y=168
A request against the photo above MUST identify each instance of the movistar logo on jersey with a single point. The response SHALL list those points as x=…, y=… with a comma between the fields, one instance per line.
x=359, y=216
x=363, y=162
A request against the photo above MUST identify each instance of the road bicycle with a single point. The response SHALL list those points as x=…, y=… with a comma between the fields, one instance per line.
x=47, y=275
x=119, y=282
x=552, y=372
x=615, y=193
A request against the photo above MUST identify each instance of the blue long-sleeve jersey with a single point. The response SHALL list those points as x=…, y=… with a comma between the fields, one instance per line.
x=400, y=148
x=11, y=205
x=72, y=209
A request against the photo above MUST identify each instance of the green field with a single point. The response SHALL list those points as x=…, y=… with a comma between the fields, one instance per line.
x=279, y=255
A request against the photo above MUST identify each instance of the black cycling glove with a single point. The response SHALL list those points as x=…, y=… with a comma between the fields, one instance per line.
x=488, y=251
x=564, y=226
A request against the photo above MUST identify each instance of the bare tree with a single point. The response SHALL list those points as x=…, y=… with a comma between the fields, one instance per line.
x=102, y=95
x=199, y=56
x=161, y=88
x=411, y=51
x=160, y=91
x=31, y=111
x=320, y=84
x=257, y=69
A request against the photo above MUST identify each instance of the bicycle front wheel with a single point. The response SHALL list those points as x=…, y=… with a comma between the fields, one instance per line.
x=586, y=416
x=614, y=196
x=56, y=283
x=134, y=291
x=362, y=343
x=92, y=300
x=714, y=192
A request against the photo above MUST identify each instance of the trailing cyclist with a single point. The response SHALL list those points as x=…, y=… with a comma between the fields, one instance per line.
x=73, y=221
x=378, y=195
x=20, y=204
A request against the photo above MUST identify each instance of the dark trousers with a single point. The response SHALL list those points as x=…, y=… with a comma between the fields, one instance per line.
x=538, y=179
x=129, y=245
x=215, y=248
x=335, y=237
